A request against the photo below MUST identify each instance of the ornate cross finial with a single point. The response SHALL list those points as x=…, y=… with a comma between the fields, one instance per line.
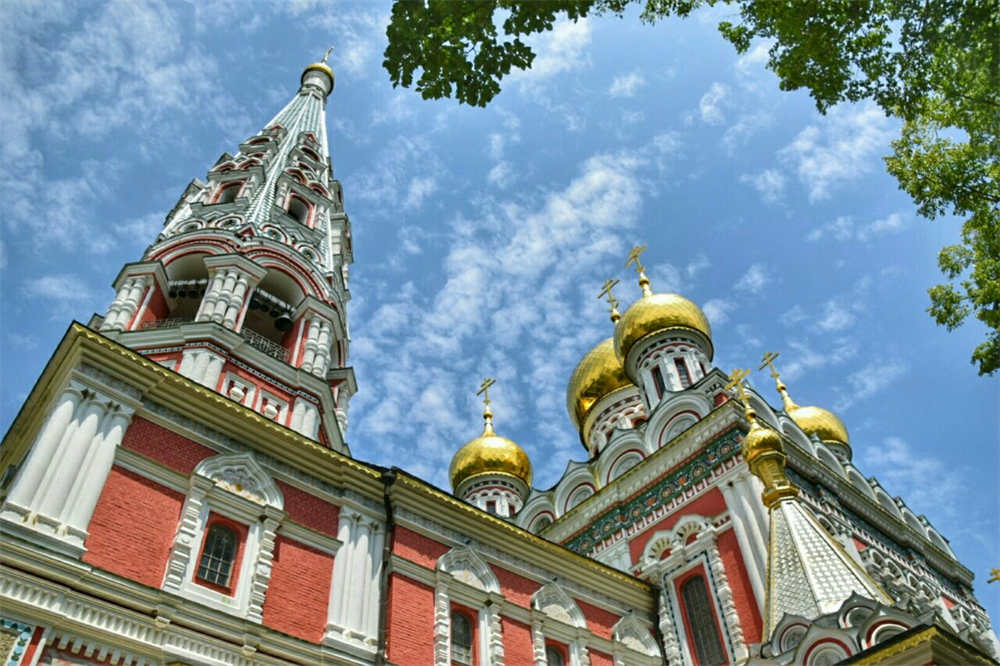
x=736, y=378
x=327, y=54
x=994, y=576
x=484, y=390
x=633, y=258
x=612, y=301
x=768, y=362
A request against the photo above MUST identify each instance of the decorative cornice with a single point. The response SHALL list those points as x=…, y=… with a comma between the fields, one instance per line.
x=622, y=517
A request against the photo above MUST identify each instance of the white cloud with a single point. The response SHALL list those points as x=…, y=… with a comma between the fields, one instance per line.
x=485, y=314
x=801, y=357
x=561, y=49
x=869, y=380
x=419, y=189
x=754, y=280
x=841, y=150
x=711, y=104
x=745, y=127
x=717, y=310
x=795, y=315
x=770, y=184
x=835, y=317
x=927, y=483
x=626, y=85
x=844, y=228
x=502, y=175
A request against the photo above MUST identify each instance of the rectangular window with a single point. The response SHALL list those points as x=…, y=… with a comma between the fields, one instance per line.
x=658, y=382
x=491, y=507
x=682, y=372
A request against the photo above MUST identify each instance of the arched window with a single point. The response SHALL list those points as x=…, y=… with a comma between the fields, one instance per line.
x=701, y=620
x=229, y=192
x=554, y=656
x=216, y=565
x=461, y=639
x=298, y=210
x=682, y=372
x=658, y=382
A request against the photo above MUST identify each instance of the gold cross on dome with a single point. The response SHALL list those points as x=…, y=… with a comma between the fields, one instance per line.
x=606, y=291
x=484, y=390
x=633, y=258
x=327, y=54
x=736, y=382
x=994, y=576
x=768, y=362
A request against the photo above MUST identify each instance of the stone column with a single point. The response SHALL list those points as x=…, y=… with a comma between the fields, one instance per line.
x=39, y=460
x=728, y=606
x=89, y=483
x=186, y=540
x=442, y=621
x=537, y=639
x=126, y=302
x=751, y=556
x=493, y=642
x=671, y=644
x=232, y=277
x=261, y=573
x=579, y=655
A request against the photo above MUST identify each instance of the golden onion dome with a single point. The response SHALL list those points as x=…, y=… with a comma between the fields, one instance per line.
x=820, y=422
x=659, y=312
x=321, y=66
x=489, y=454
x=815, y=420
x=599, y=374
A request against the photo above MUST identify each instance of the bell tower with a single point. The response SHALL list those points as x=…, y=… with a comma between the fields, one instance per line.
x=245, y=289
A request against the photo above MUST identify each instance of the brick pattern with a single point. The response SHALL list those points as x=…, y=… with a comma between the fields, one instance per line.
x=417, y=548
x=410, y=630
x=310, y=510
x=516, y=589
x=298, y=594
x=739, y=583
x=133, y=527
x=517, y=648
x=164, y=446
x=599, y=621
x=601, y=659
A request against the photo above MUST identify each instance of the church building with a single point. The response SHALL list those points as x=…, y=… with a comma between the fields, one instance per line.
x=178, y=489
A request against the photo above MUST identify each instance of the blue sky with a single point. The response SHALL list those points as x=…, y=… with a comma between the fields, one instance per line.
x=482, y=236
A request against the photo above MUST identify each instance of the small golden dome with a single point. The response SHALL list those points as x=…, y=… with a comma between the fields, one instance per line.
x=820, y=422
x=489, y=454
x=658, y=312
x=598, y=374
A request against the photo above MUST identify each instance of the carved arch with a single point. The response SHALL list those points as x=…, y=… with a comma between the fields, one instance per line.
x=242, y=475
x=633, y=634
x=552, y=600
x=668, y=540
x=463, y=564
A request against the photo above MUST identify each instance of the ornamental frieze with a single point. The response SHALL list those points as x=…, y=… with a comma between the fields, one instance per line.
x=661, y=493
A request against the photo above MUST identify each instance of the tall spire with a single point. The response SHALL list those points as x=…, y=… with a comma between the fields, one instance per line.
x=808, y=573
x=245, y=289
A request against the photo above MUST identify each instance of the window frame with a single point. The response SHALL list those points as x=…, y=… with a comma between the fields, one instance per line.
x=472, y=621
x=679, y=582
x=239, y=532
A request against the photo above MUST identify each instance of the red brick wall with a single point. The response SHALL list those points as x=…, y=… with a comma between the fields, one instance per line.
x=516, y=589
x=601, y=659
x=410, y=628
x=417, y=548
x=310, y=510
x=599, y=621
x=165, y=447
x=133, y=527
x=517, y=642
x=711, y=503
x=299, y=591
x=739, y=583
